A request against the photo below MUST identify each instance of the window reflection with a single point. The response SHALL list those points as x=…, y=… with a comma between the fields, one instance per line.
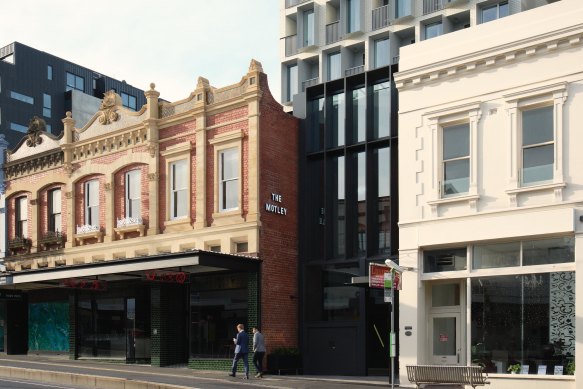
x=381, y=109
x=330, y=298
x=524, y=319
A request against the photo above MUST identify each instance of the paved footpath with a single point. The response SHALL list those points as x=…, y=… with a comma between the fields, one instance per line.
x=92, y=374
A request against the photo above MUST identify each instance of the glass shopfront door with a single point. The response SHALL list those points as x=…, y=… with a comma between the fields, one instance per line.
x=445, y=321
x=445, y=339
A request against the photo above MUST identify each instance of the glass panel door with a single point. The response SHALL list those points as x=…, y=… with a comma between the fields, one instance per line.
x=445, y=339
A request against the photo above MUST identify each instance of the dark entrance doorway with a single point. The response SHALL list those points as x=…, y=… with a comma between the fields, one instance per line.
x=378, y=322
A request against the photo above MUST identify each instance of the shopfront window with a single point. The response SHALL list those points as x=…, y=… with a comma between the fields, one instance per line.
x=527, y=320
x=526, y=253
x=101, y=327
x=217, y=305
x=445, y=260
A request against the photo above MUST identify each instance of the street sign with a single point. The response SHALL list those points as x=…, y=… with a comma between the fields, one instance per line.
x=376, y=275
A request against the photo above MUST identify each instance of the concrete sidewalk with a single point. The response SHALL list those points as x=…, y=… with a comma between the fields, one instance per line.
x=94, y=374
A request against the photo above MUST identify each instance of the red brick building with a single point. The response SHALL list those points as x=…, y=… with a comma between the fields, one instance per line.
x=149, y=235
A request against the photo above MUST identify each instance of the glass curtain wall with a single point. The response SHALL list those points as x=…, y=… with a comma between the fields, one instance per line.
x=346, y=219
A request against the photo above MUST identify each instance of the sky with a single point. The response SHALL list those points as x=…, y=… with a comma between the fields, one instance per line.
x=168, y=42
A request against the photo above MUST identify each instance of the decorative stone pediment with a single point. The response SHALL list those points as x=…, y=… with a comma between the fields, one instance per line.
x=109, y=106
x=37, y=141
x=35, y=127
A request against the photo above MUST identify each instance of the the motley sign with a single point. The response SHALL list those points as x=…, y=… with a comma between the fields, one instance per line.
x=276, y=208
x=80, y=283
x=175, y=277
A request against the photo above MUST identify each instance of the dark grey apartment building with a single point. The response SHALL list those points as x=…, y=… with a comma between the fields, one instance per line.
x=35, y=83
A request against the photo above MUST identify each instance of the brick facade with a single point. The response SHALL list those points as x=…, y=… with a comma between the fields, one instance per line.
x=243, y=115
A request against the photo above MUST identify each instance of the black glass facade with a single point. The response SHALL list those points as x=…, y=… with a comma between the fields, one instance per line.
x=348, y=218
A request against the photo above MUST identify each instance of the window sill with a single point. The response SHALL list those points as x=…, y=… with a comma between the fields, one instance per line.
x=89, y=235
x=556, y=187
x=470, y=199
x=227, y=217
x=455, y=199
x=178, y=225
x=121, y=231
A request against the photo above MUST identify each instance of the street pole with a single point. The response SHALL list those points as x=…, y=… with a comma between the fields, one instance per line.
x=392, y=336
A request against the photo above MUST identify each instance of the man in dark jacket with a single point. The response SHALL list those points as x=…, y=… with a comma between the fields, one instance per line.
x=241, y=351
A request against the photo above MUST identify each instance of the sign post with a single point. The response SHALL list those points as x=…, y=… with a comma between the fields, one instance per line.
x=384, y=277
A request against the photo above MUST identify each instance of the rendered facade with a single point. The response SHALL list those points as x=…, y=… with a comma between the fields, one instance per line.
x=35, y=83
x=491, y=203
x=148, y=235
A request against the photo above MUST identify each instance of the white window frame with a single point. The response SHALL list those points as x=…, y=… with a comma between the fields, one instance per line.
x=230, y=140
x=554, y=95
x=438, y=120
x=55, y=208
x=176, y=191
x=91, y=202
x=224, y=181
x=133, y=193
x=173, y=154
x=21, y=217
x=523, y=147
x=445, y=161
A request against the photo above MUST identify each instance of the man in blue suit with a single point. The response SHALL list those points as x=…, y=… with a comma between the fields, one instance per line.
x=241, y=351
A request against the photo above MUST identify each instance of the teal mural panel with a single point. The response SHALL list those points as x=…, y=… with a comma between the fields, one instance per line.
x=48, y=326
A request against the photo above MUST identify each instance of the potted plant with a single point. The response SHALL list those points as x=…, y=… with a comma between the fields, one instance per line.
x=570, y=370
x=514, y=369
x=284, y=358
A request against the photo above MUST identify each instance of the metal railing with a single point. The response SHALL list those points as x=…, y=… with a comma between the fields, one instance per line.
x=309, y=83
x=430, y=6
x=291, y=45
x=129, y=221
x=87, y=228
x=354, y=70
x=293, y=3
x=380, y=17
x=333, y=32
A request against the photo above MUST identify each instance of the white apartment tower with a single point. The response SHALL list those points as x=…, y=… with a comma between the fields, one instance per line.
x=323, y=40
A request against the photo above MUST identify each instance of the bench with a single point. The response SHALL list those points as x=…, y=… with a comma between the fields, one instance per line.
x=446, y=374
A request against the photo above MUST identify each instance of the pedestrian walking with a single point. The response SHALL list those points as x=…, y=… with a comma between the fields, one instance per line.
x=259, y=351
x=241, y=351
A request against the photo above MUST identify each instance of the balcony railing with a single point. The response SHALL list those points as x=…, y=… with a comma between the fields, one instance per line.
x=87, y=228
x=50, y=238
x=333, y=32
x=19, y=243
x=430, y=6
x=129, y=221
x=354, y=70
x=291, y=45
x=293, y=3
x=380, y=17
x=309, y=83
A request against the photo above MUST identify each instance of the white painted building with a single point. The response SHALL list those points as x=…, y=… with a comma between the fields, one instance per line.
x=491, y=198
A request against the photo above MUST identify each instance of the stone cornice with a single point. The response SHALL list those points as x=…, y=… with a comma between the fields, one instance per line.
x=495, y=56
x=33, y=164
